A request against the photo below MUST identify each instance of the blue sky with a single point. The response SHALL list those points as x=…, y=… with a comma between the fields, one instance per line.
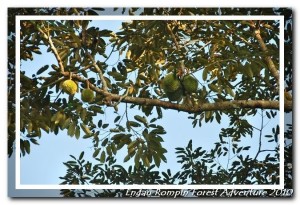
x=45, y=163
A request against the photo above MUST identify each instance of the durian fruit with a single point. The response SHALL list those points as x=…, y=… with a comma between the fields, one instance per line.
x=190, y=84
x=170, y=83
x=176, y=95
x=87, y=95
x=69, y=86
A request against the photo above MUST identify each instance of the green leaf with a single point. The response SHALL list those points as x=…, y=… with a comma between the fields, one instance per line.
x=57, y=42
x=81, y=155
x=100, y=123
x=146, y=160
x=42, y=69
x=104, y=143
x=108, y=150
x=34, y=141
x=117, y=76
x=27, y=146
x=127, y=158
x=218, y=117
x=66, y=123
x=213, y=87
x=96, y=109
x=105, y=125
x=96, y=152
x=246, y=148
x=117, y=119
x=113, y=148
x=248, y=71
x=118, y=137
x=190, y=145
x=236, y=163
x=137, y=157
x=102, y=157
x=229, y=91
x=133, y=144
x=22, y=147
x=159, y=112
x=153, y=120
x=83, y=114
x=133, y=124
x=159, y=131
x=166, y=176
x=156, y=160
x=105, y=33
x=208, y=115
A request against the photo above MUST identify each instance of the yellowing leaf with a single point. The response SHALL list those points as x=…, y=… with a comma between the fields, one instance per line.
x=85, y=129
x=128, y=54
x=141, y=119
x=213, y=87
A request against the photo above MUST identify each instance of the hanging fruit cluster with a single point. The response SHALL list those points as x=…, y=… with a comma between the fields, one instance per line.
x=176, y=87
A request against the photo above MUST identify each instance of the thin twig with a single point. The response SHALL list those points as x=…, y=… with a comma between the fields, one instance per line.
x=104, y=85
x=259, y=146
x=260, y=135
x=268, y=150
x=229, y=150
x=112, y=50
x=122, y=97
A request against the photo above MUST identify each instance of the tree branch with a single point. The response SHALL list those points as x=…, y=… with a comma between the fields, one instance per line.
x=104, y=85
x=268, y=59
x=173, y=36
x=54, y=50
x=225, y=105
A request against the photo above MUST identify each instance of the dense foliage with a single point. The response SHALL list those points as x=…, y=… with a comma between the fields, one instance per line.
x=235, y=62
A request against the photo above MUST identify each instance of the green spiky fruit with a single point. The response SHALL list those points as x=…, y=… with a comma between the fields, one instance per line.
x=170, y=83
x=87, y=95
x=176, y=95
x=190, y=84
x=69, y=86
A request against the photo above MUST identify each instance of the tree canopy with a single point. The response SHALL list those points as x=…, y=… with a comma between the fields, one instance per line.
x=217, y=69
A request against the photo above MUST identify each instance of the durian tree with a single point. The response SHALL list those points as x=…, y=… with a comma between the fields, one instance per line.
x=210, y=69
